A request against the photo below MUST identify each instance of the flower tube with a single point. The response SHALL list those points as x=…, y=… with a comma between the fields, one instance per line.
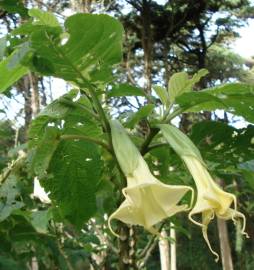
x=147, y=200
x=211, y=199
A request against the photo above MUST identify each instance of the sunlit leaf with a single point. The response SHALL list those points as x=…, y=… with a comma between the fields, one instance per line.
x=88, y=54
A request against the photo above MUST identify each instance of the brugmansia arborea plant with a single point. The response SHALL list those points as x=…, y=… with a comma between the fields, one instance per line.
x=65, y=138
x=211, y=199
x=147, y=200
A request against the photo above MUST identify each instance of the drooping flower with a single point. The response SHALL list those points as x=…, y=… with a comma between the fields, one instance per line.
x=147, y=200
x=211, y=199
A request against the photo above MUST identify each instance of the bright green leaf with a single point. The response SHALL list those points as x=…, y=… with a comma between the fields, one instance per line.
x=11, y=68
x=177, y=84
x=162, y=94
x=197, y=76
x=44, y=17
x=144, y=112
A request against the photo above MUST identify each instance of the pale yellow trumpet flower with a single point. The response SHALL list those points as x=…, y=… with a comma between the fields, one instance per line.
x=211, y=199
x=147, y=200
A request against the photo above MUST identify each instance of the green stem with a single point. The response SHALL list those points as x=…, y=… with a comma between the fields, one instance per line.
x=156, y=146
x=98, y=106
x=154, y=131
x=11, y=168
x=167, y=112
x=86, y=138
x=144, y=147
x=174, y=114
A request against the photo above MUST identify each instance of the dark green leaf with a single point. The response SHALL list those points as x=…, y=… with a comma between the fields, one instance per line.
x=236, y=98
x=67, y=116
x=14, y=6
x=10, y=264
x=45, y=150
x=223, y=145
x=122, y=90
x=40, y=219
x=53, y=113
x=9, y=191
x=76, y=170
x=247, y=169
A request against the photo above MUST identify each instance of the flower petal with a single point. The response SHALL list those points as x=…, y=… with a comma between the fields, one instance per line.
x=156, y=201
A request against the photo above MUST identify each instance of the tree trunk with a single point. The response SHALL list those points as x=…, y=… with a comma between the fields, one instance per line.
x=25, y=88
x=173, y=248
x=147, y=44
x=164, y=251
x=225, y=249
x=35, y=95
x=124, y=248
x=83, y=6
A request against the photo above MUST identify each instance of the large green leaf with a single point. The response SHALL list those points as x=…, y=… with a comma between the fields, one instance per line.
x=162, y=94
x=52, y=114
x=236, y=98
x=247, y=169
x=93, y=46
x=14, y=6
x=223, y=145
x=62, y=117
x=45, y=150
x=9, y=192
x=11, y=68
x=75, y=171
x=68, y=118
x=39, y=220
x=7, y=263
x=180, y=83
